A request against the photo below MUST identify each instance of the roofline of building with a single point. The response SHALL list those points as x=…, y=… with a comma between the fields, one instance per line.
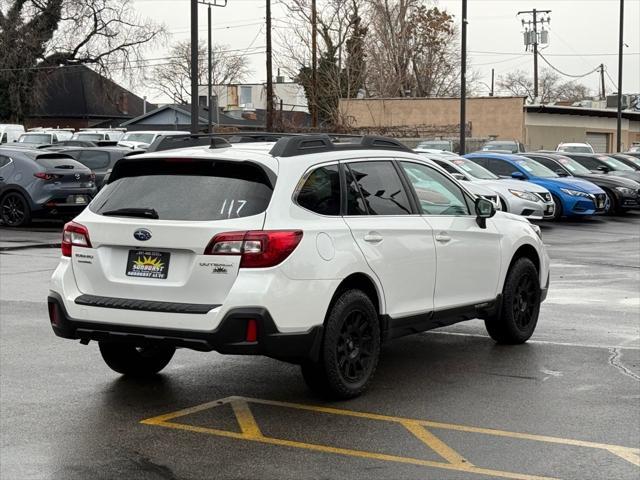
x=587, y=112
x=495, y=97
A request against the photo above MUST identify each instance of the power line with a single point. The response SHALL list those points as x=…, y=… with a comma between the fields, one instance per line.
x=567, y=74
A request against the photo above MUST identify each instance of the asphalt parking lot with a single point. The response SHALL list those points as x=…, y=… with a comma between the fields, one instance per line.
x=447, y=404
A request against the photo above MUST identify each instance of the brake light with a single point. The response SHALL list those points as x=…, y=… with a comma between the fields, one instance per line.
x=46, y=176
x=74, y=234
x=258, y=248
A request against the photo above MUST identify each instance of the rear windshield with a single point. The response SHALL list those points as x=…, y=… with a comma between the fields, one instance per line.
x=59, y=162
x=188, y=190
x=576, y=149
x=139, y=137
x=35, y=138
x=90, y=136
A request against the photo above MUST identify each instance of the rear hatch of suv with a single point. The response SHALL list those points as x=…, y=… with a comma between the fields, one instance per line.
x=149, y=227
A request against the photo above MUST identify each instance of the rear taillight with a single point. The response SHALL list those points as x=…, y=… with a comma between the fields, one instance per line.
x=258, y=248
x=46, y=176
x=74, y=234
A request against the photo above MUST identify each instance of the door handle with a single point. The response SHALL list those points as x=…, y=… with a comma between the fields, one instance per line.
x=373, y=237
x=443, y=237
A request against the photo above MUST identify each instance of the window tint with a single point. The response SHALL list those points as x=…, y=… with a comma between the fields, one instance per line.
x=321, y=191
x=381, y=188
x=194, y=190
x=447, y=166
x=547, y=162
x=355, y=202
x=500, y=167
x=437, y=194
x=4, y=138
x=588, y=162
x=95, y=160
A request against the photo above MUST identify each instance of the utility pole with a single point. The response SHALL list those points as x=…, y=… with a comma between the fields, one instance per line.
x=493, y=71
x=269, y=72
x=209, y=86
x=602, y=91
x=534, y=38
x=314, y=64
x=620, y=44
x=194, y=66
x=463, y=81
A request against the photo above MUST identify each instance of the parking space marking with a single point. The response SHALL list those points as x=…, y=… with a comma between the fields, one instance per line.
x=250, y=431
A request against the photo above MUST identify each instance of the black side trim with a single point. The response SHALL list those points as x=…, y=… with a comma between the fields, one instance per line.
x=399, y=327
x=229, y=337
x=144, y=305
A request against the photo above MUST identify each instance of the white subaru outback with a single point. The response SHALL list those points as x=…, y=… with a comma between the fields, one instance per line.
x=314, y=252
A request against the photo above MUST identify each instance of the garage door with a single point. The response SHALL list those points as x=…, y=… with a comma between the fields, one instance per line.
x=599, y=141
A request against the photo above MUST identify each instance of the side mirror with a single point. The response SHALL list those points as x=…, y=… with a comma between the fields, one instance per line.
x=458, y=176
x=484, y=209
x=562, y=173
x=518, y=176
x=603, y=169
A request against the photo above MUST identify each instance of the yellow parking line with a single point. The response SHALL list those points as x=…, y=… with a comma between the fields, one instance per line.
x=349, y=452
x=245, y=418
x=251, y=432
x=617, y=449
x=435, y=444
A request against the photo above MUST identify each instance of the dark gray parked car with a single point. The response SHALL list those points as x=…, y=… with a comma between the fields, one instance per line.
x=100, y=160
x=35, y=183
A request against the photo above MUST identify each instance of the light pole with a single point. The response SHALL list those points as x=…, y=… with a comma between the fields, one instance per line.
x=621, y=43
x=463, y=80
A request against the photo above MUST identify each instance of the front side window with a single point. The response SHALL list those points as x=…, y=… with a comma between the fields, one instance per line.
x=4, y=138
x=473, y=169
x=500, y=167
x=436, y=194
x=380, y=188
x=320, y=192
x=535, y=169
x=587, y=162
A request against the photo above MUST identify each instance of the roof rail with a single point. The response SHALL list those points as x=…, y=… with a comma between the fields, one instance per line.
x=305, y=144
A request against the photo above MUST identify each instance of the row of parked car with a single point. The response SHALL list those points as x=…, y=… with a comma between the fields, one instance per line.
x=60, y=179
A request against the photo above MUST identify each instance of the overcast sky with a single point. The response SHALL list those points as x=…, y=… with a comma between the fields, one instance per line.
x=583, y=34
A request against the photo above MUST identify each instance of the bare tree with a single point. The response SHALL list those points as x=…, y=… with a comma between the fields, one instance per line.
x=550, y=87
x=172, y=78
x=38, y=35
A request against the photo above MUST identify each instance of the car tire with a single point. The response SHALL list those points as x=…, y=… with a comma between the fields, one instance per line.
x=350, y=348
x=136, y=361
x=557, y=212
x=15, y=210
x=613, y=203
x=520, y=305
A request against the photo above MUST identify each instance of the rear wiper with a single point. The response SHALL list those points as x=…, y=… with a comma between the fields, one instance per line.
x=133, y=212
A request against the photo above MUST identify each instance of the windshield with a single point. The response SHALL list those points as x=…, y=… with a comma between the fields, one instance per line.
x=536, y=169
x=436, y=145
x=473, y=169
x=37, y=138
x=510, y=146
x=139, y=137
x=616, y=164
x=576, y=149
x=573, y=166
x=177, y=190
x=90, y=136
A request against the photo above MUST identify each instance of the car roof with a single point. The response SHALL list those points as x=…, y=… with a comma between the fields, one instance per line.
x=497, y=155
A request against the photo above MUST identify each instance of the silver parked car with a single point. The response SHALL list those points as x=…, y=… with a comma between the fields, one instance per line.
x=515, y=196
x=36, y=183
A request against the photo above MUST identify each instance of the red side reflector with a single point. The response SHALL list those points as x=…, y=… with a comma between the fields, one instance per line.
x=53, y=314
x=252, y=331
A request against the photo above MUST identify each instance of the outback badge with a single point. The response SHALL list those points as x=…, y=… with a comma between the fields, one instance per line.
x=142, y=234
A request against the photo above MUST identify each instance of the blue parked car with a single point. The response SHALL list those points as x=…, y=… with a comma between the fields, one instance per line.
x=573, y=196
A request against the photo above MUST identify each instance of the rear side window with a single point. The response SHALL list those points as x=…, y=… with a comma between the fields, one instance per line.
x=188, y=190
x=320, y=193
x=94, y=159
x=380, y=187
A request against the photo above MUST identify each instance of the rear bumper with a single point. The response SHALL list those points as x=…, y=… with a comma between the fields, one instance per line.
x=229, y=337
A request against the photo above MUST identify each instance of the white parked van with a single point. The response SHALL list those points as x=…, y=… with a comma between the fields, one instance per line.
x=10, y=132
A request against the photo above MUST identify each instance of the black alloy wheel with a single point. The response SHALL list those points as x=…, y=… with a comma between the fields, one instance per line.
x=524, y=302
x=354, y=348
x=14, y=210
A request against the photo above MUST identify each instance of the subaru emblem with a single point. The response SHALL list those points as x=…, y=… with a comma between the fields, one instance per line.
x=142, y=234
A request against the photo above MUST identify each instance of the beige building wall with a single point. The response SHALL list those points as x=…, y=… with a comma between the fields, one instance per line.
x=489, y=116
x=547, y=130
